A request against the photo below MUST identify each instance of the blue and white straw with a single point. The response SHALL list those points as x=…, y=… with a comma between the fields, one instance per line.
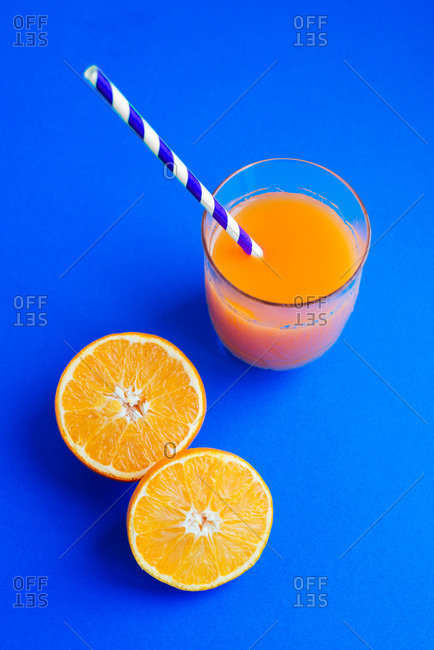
x=146, y=133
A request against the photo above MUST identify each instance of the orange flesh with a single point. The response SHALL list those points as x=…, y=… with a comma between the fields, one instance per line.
x=200, y=520
x=125, y=401
x=303, y=239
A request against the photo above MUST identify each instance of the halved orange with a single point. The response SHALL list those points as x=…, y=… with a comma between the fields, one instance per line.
x=200, y=519
x=128, y=400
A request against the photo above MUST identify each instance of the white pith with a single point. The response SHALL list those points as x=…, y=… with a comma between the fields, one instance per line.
x=202, y=523
x=130, y=396
x=133, y=407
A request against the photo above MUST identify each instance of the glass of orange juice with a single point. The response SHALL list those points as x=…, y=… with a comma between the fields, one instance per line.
x=289, y=307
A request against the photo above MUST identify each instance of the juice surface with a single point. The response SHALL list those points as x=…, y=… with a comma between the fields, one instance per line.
x=303, y=240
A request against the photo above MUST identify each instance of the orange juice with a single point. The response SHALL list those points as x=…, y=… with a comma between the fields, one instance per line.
x=289, y=307
x=308, y=250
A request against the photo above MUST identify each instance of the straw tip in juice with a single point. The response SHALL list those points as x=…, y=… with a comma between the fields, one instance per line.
x=257, y=250
x=91, y=74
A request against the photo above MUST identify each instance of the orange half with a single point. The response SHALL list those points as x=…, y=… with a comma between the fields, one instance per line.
x=128, y=400
x=200, y=519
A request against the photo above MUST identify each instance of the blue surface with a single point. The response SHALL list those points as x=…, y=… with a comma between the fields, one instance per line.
x=335, y=444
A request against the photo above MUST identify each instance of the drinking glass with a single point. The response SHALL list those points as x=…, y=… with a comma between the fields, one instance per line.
x=274, y=335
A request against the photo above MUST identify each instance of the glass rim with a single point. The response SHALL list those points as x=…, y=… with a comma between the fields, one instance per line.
x=359, y=264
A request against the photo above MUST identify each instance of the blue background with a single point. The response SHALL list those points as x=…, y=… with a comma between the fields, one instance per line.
x=335, y=444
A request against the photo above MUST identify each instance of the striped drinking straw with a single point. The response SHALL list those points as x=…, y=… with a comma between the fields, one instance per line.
x=146, y=133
